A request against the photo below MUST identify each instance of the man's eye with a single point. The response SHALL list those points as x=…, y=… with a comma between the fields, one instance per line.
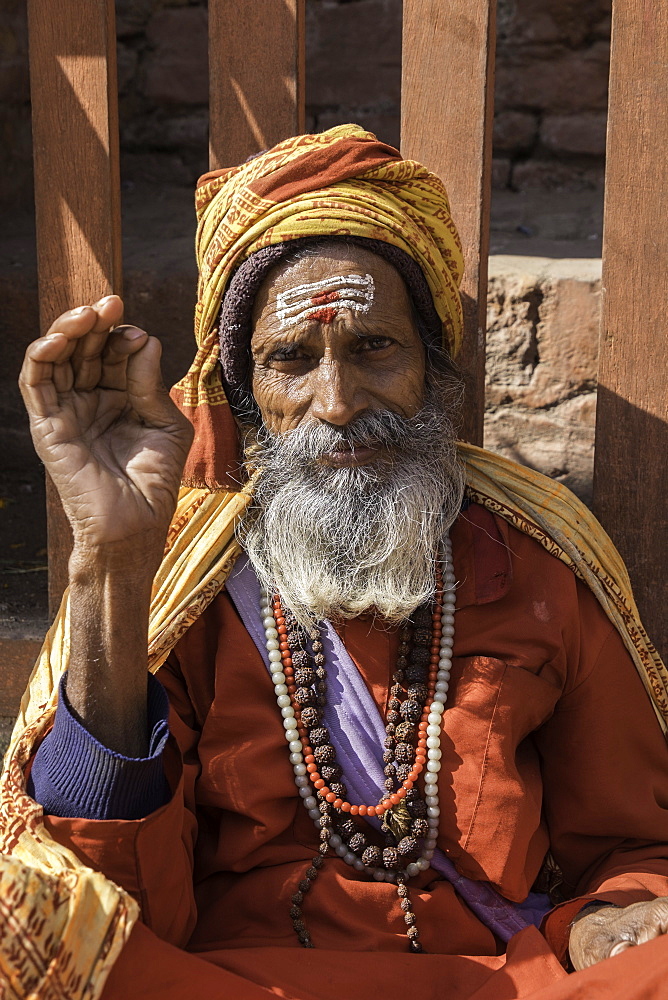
x=376, y=343
x=284, y=354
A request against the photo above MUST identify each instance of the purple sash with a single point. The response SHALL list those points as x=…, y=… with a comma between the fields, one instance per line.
x=357, y=732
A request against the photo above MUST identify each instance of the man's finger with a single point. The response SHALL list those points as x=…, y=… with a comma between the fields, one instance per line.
x=109, y=312
x=150, y=400
x=121, y=344
x=76, y=323
x=87, y=359
x=86, y=329
x=146, y=391
x=63, y=378
x=608, y=932
x=36, y=381
x=619, y=947
x=653, y=922
x=73, y=323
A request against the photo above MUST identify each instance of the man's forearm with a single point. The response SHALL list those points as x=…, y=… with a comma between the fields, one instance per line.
x=110, y=592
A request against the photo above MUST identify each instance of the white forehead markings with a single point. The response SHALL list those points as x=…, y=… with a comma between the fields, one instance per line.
x=322, y=300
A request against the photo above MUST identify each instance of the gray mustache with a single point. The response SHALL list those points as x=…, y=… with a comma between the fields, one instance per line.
x=382, y=428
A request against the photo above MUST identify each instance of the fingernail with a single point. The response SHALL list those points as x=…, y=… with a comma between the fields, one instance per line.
x=78, y=310
x=132, y=332
x=103, y=301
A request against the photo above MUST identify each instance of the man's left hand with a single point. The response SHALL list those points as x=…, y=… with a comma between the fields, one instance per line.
x=610, y=930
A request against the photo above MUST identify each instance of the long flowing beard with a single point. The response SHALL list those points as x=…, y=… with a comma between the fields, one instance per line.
x=338, y=542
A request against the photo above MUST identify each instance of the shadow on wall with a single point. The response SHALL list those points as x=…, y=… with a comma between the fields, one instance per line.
x=630, y=482
x=628, y=490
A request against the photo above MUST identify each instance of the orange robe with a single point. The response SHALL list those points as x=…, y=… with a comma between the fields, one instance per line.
x=549, y=741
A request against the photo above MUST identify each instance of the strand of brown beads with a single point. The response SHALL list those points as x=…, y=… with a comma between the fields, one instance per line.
x=402, y=810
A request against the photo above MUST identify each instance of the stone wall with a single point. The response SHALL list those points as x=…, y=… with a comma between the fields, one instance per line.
x=552, y=67
x=542, y=354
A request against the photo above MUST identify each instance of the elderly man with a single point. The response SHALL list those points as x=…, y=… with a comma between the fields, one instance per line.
x=411, y=698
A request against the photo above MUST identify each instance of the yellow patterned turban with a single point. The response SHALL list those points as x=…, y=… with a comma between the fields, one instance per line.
x=342, y=182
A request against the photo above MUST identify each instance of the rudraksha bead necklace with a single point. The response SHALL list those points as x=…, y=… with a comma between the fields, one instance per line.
x=417, y=700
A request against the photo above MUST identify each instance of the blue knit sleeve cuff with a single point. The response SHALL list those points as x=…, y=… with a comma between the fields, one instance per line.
x=73, y=775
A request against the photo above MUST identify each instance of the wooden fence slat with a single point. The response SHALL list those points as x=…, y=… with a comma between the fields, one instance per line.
x=630, y=477
x=77, y=187
x=256, y=76
x=447, y=105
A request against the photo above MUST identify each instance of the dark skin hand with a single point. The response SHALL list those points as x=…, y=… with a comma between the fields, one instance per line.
x=608, y=931
x=114, y=445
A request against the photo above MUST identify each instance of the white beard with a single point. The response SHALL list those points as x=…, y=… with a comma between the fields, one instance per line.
x=338, y=542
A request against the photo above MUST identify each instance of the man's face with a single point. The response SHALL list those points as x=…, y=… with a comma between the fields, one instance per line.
x=358, y=475
x=334, y=337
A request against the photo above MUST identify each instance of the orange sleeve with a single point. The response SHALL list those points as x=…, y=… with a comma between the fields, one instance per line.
x=152, y=857
x=605, y=773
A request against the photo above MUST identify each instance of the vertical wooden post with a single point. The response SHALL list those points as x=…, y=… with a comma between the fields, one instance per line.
x=77, y=188
x=256, y=74
x=630, y=473
x=447, y=106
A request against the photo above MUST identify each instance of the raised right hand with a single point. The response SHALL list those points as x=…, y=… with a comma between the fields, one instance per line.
x=105, y=427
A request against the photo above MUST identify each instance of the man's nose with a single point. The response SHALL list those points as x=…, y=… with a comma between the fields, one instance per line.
x=337, y=396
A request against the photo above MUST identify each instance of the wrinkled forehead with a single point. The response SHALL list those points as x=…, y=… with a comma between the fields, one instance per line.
x=320, y=286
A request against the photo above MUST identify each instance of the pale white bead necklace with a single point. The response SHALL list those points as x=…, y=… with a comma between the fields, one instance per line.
x=309, y=794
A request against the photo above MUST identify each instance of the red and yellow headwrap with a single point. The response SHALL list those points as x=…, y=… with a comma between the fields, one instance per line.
x=342, y=182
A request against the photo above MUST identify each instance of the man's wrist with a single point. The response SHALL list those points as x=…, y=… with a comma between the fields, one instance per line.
x=560, y=922
x=592, y=907
x=136, y=558
x=74, y=775
x=110, y=593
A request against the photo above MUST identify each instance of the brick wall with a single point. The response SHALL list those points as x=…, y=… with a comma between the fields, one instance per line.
x=552, y=67
x=15, y=137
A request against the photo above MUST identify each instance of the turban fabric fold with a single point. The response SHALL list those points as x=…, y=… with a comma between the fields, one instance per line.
x=342, y=182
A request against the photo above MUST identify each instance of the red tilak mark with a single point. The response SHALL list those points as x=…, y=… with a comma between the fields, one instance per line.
x=323, y=297
x=323, y=315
